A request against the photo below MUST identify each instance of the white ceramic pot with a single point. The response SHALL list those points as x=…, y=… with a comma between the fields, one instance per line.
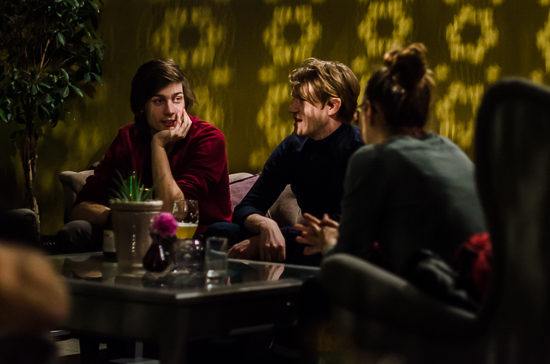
x=131, y=226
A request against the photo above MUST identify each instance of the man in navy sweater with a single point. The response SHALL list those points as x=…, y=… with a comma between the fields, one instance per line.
x=312, y=160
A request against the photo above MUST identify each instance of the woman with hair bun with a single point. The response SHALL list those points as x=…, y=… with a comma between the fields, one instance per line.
x=406, y=189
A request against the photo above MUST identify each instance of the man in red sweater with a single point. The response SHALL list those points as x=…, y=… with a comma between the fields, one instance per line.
x=183, y=156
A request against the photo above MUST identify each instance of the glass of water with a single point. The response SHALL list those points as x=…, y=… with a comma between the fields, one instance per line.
x=215, y=259
x=187, y=256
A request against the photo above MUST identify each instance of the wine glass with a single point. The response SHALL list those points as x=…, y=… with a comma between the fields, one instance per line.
x=186, y=213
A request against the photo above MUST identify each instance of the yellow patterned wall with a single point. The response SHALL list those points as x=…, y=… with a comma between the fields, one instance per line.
x=238, y=54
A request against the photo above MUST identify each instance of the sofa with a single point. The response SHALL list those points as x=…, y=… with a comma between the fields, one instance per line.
x=285, y=210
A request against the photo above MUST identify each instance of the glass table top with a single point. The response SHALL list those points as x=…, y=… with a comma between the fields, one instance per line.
x=91, y=272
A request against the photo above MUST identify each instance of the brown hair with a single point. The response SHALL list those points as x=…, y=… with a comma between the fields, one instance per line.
x=403, y=88
x=328, y=79
x=152, y=77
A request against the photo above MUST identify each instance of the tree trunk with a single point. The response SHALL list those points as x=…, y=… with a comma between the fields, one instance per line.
x=28, y=158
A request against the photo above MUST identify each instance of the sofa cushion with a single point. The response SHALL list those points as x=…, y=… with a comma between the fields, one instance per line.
x=72, y=184
x=285, y=210
x=239, y=184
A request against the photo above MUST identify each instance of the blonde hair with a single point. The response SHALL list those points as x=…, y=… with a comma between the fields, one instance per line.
x=328, y=80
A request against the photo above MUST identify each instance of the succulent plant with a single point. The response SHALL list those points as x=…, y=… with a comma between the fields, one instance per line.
x=131, y=189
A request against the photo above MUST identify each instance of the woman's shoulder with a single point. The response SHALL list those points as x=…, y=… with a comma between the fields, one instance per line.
x=404, y=147
x=428, y=142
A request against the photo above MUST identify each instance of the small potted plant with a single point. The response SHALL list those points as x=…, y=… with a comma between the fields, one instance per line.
x=133, y=211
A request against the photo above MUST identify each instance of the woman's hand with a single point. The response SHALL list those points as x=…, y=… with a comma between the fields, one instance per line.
x=166, y=137
x=317, y=234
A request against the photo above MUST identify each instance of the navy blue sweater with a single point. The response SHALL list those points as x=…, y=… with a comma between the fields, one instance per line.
x=315, y=169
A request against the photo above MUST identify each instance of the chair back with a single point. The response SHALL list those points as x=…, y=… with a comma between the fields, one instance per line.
x=513, y=175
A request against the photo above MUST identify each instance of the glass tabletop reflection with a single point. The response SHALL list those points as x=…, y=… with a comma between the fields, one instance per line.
x=92, y=270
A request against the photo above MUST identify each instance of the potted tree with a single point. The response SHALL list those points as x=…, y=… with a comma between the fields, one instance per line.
x=48, y=49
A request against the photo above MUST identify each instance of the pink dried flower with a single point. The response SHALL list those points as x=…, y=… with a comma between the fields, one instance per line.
x=165, y=224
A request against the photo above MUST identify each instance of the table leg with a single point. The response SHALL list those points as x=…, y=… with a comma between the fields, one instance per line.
x=173, y=351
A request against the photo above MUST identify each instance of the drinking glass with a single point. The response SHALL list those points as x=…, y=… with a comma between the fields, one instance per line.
x=215, y=258
x=186, y=213
x=188, y=256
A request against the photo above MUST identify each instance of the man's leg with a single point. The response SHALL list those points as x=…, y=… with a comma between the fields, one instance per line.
x=79, y=237
x=225, y=230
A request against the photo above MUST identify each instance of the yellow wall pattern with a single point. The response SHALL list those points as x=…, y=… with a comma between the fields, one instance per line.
x=238, y=54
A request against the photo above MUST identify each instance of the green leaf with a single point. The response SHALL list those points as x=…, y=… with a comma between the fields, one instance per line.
x=54, y=118
x=77, y=91
x=45, y=109
x=98, y=78
x=34, y=90
x=87, y=77
x=94, y=5
x=73, y=3
x=2, y=114
x=48, y=98
x=61, y=39
x=57, y=1
x=65, y=74
x=65, y=92
x=131, y=189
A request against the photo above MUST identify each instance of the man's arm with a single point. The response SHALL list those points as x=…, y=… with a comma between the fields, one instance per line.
x=166, y=188
x=92, y=212
x=250, y=213
x=271, y=244
x=93, y=199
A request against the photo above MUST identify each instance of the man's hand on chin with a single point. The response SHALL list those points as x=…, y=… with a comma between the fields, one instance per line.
x=246, y=249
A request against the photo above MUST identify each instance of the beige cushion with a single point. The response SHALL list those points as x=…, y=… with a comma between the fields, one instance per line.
x=285, y=210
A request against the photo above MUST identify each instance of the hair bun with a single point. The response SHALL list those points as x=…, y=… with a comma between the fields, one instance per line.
x=407, y=66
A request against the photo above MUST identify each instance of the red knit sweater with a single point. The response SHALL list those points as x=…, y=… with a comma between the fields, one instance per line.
x=198, y=164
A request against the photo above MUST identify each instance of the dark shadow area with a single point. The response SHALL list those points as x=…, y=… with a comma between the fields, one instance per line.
x=292, y=33
x=471, y=33
x=385, y=28
x=189, y=37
